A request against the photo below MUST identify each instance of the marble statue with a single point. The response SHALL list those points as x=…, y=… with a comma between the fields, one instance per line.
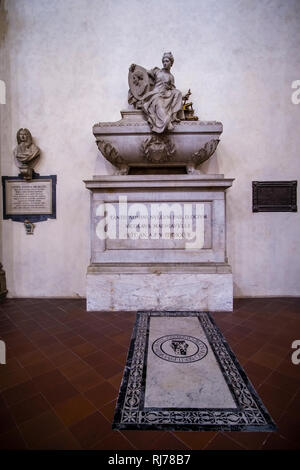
x=161, y=131
x=26, y=153
x=154, y=92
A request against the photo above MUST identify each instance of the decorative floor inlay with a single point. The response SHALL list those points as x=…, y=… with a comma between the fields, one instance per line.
x=182, y=375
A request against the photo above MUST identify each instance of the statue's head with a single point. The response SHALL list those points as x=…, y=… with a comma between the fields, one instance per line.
x=168, y=59
x=24, y=135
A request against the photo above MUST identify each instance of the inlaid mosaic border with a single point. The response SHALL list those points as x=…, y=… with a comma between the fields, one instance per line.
x=249, y=415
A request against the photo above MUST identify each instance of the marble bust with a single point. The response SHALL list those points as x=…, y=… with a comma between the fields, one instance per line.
x=26, y=153
x=154, y=92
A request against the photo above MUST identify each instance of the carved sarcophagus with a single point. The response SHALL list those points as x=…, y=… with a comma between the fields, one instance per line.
x=130, y=143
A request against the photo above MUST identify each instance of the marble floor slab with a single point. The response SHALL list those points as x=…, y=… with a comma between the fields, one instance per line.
x=181, y=375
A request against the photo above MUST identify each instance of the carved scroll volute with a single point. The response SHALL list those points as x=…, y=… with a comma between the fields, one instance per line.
x=205, y=152
x=112, y=155
x=109, y=152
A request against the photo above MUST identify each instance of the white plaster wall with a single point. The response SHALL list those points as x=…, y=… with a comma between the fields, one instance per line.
x=65, y=63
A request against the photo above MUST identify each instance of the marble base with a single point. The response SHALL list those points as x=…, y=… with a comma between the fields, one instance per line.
x=159, y=272
x=163, y=291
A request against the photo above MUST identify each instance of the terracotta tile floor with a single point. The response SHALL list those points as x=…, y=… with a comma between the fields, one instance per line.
x=64, y=366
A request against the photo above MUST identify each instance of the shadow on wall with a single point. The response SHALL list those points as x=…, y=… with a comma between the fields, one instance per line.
x=2, y=92
x=3, y=22
x=211, y=166
x=3, y=29
x=5, y=122
x=237, y=292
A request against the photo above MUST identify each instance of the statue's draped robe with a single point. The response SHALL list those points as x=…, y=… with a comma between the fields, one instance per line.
x=25, y=153
x=163, y=104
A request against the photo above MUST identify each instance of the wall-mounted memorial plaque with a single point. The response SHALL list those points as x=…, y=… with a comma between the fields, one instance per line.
x=274, y=196
x=33, y=199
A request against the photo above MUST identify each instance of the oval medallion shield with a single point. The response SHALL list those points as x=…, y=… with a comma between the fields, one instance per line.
x=179, y=348
x=138, y=80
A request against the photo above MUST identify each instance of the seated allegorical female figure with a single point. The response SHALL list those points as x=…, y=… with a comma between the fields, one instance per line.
x=161, y=102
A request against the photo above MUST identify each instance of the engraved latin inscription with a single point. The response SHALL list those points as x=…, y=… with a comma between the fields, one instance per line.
x=34, y=197
x=150, y=230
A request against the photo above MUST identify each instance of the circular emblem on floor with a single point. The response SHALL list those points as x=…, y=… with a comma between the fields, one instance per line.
x=179, y=348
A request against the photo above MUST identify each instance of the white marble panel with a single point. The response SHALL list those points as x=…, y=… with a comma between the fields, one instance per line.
x=159, y=189
x=145, y=236
x=159, y=291
x=198, y=384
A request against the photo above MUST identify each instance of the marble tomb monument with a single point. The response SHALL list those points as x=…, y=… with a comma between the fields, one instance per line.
x=158, y=224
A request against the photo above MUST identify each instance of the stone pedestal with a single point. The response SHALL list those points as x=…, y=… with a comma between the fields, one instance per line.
x=3, y=290
x=148, y=267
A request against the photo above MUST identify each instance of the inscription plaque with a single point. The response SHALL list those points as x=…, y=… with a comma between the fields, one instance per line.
x=155, y=226
x=34, y=199
x=274, y=196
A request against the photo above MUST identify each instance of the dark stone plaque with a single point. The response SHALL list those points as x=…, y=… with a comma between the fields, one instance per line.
x=274, y=196
x=34, y=199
